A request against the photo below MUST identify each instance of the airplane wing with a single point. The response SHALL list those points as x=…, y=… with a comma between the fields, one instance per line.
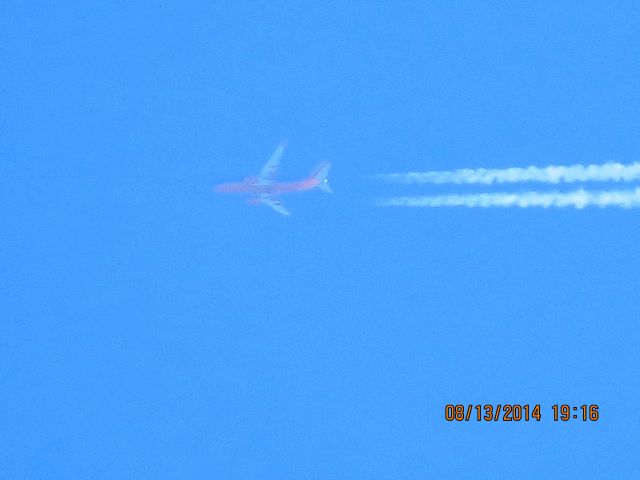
x=268, y=172
x=275, y=204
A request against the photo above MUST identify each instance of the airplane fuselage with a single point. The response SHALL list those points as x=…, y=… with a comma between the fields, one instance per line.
x=253, y=187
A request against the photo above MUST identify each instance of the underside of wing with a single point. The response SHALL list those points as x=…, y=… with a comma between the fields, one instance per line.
x=275, y=204
x=268, y=172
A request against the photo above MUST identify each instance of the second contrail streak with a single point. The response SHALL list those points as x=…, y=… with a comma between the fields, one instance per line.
x=614, y=172
x=576, y=199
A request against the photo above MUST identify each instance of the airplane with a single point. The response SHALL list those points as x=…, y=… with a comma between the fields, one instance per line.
x=265, y=190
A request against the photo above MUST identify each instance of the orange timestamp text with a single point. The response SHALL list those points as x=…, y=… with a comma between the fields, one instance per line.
x=519, y=412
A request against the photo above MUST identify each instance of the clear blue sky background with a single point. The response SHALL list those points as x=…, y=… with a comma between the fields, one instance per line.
x=153, y=329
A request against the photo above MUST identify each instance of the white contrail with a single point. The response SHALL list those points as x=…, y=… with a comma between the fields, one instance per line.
x=614, y=172
x=576, y=199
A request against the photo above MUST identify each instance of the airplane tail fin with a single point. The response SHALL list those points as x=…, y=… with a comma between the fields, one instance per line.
x=320, y=175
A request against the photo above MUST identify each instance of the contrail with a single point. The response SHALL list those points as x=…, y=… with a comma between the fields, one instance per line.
x=576, y=199
x=614, y=172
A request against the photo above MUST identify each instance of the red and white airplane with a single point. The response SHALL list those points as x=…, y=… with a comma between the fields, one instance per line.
x=265, y=190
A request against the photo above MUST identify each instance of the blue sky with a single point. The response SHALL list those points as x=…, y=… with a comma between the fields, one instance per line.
x=153, y=329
